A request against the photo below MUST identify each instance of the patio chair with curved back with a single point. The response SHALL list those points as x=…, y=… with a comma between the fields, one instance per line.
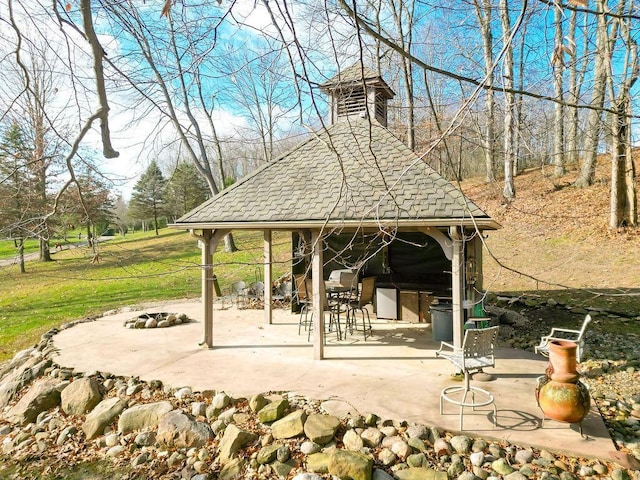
x=359, y=305
x=233, y=293
x=303, y=297
x=576, y=336
x=476, y=353
x=333, y=308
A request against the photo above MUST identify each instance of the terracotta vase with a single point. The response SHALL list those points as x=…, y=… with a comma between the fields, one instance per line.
x=560, y=394
x=562, y=361
x=563, y=401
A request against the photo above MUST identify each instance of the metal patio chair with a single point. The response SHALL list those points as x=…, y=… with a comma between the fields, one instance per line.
x=576, y=336
x=233, y=293
x=359, y=305
x=476, y=353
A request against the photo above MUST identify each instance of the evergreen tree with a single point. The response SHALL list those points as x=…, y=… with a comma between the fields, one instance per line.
x=16, y=187
x=186, y=189
x=95, y=210
x=148, y=197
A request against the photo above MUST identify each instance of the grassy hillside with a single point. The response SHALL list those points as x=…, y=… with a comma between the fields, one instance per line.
x=555, y=241
x=136, y=269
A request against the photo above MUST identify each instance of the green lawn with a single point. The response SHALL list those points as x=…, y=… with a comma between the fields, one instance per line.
x=132, y=270
x=8, y=248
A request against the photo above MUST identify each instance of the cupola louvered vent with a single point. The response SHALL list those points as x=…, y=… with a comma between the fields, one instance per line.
x=352, y=104
x=358, y=92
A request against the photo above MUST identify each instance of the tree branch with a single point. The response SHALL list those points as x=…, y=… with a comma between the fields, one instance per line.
x=103, y=112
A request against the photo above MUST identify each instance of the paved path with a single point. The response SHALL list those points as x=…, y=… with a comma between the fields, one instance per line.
x=29, y=257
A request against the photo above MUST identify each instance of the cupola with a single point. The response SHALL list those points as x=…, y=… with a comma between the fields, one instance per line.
x=357, y=92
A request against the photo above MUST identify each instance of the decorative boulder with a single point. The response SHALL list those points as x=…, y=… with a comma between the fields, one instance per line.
x=42, y=396
x=290, y=426
x=80, y=396
x=178, y=430
x=142, y=417
x=321, y=428
x=102, y=415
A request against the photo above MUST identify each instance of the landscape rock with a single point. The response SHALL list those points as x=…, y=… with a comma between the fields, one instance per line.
x=80, y=396
x=502, y=467
x=352, y=465
x=18, y=375
x=289, y=426
x=380, y=475
x=309, y=448
x=102, y=415
x=145, y=439
x=115, y=451
x=282, y=469
x=352, y=441
x=372, y=437
x=199, y=409
x=307, y=476
x=151, y=323
x=273, y=411
x=321, y=428
x=183, y=392
x=42, y=396
x=142, y=417
x=268, y=453
x=461, y=443
x=387, y=457
x=318, y=462
x=232, y=470
x=441, y=447
x=477, y=459
x=178, y=430
x=524, y=456
x=257, y=403
x=401, y=449
x=418, y=431
x=233, y=440
x=421, y=473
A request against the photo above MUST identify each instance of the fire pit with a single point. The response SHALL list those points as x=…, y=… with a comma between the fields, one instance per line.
x=157, y=320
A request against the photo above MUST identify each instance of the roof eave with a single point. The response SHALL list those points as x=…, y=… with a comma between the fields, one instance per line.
x=482, y=223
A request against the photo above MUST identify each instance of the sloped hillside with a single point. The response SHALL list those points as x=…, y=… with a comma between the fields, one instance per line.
x=556, y=235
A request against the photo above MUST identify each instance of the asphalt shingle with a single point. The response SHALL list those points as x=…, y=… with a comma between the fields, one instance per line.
x=353, y=170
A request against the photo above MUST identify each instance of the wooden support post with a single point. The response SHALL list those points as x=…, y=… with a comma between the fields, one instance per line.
x=318, y=295
x=268, y=280
x=208, y=242
x=457, y=287
x=207, y=288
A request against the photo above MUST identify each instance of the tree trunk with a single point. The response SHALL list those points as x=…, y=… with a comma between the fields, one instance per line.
x=21, y=255
x=623, y=210
x=483, y=12
x=45, y=252
x=558, y=118
x=229, y=244
x=155, y=221
x=509, y=191
x=572, y=156
x=592, y=134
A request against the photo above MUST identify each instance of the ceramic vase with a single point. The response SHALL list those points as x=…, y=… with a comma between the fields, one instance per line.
x=560, y=393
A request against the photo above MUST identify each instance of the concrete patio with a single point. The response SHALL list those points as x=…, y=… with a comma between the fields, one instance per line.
x=394, y=374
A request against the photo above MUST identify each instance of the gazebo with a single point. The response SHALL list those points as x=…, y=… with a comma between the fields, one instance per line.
x=351, y=179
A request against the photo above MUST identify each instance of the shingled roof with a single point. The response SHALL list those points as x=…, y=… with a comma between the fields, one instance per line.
x=353, y=173
x=354, y=76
